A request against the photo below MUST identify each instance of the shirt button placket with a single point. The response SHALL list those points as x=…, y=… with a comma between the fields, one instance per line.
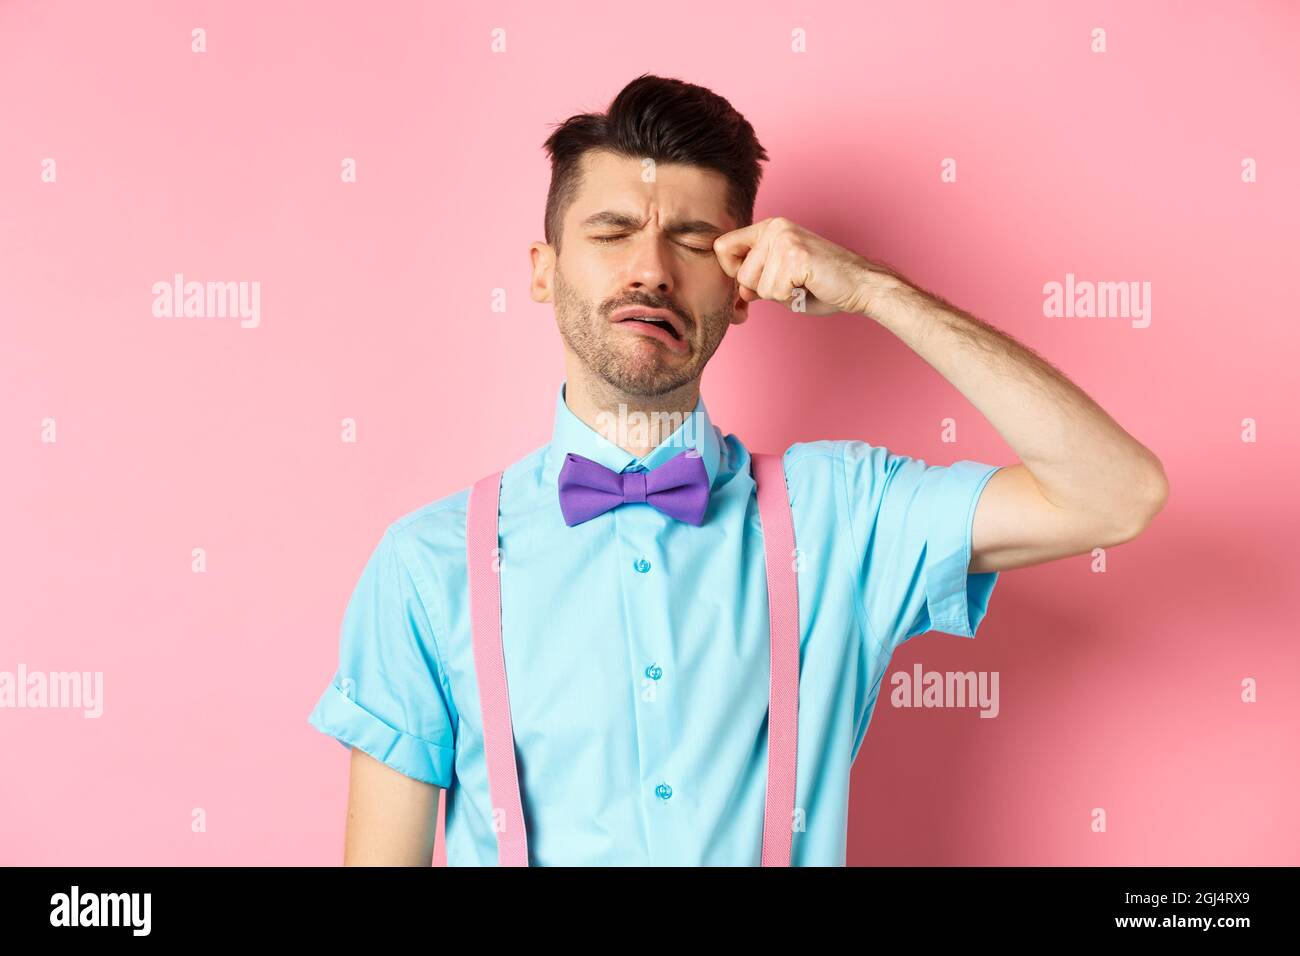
x=653, y=732
x=653, y=671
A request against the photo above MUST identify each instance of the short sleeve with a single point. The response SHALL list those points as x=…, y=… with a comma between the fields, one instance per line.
x=389, y=696
x=911, y=527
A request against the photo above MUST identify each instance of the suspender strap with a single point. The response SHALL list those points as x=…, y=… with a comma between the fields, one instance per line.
x=490, y=669
x=783, y=687
x=481, y=542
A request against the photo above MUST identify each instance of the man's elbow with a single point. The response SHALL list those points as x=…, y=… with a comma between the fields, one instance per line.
x=1149, y=504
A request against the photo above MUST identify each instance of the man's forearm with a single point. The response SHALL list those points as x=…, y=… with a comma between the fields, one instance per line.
x=1081, y=459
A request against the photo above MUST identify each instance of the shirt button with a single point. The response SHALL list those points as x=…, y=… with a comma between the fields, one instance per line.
x=663, y=791
x=654, y=672
x=641, y=564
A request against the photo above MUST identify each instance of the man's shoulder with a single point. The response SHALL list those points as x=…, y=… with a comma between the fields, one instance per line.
x=812, y=470
x=813, y=451
x=824, y=469
x=441, y=522
x=817, y=460
x=845, y=453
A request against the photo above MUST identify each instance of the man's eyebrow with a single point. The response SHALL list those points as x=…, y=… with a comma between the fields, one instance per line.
x=621, y=220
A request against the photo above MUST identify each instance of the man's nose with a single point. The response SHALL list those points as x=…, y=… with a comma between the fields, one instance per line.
x=650, y=267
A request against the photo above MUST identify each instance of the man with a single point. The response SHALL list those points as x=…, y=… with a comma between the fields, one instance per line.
x=636, y=642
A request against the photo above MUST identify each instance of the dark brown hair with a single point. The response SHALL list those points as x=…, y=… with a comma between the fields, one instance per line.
x=668, y=121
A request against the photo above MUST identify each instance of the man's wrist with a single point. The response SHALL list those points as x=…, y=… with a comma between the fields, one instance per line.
x=882, y=294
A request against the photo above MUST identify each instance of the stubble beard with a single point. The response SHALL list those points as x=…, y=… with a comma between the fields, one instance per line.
x=629, y=366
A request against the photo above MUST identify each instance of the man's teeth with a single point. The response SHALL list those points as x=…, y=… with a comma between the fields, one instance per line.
x=654, y=321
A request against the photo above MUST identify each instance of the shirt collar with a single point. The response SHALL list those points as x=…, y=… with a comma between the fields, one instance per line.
x=572, y=434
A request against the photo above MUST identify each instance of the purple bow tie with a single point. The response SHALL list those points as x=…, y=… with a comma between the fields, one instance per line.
x=679, y=488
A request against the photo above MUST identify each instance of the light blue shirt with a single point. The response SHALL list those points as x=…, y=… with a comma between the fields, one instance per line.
x=636, y=647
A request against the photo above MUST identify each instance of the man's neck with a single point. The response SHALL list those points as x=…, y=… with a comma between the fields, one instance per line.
x=597, y=403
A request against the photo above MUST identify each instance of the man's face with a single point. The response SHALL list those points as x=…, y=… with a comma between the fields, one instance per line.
x=632, y=246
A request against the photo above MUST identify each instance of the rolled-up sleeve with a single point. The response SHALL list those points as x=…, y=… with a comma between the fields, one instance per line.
x=911, y=525
x=389, y=696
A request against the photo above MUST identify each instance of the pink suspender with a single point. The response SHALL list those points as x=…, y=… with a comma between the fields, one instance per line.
x=783, y=684
x=783, y=691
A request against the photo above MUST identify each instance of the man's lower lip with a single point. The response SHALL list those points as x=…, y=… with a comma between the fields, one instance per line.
x=654, y=331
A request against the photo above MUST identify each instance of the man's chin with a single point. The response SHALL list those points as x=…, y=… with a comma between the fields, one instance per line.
x=647, y=380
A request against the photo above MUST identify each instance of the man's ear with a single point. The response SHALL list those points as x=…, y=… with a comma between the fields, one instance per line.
x=542, y=256
x=739, y=305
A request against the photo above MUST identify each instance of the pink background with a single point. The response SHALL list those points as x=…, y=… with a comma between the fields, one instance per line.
x=1118, y=690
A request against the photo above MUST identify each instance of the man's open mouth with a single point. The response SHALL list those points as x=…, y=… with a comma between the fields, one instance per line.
x=662, y=323
x=659, y=324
